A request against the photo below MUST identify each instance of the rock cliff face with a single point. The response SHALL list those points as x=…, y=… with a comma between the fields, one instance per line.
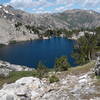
x=8, y=32
x=6, y=67
x=67, y=20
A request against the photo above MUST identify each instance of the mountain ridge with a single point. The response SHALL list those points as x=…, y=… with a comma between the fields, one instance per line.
x=70, y=19
x=63, y=19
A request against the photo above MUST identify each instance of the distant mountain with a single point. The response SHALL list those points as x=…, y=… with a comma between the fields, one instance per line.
x=80, y=18
x=70, y=19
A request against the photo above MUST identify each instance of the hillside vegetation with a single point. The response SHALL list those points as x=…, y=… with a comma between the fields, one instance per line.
x=17, y=75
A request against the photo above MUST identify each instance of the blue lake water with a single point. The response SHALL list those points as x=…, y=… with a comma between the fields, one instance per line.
x=30, y=53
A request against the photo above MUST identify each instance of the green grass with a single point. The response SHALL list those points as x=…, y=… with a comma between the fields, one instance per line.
x=98, y=77
x=17, y=75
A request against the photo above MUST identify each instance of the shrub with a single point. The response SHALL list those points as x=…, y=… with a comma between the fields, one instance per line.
x=13, y=42
x=18, y=24
x=53, y=79
x=61, y=64
x=28, y=27
x=42, y=70
x=2, y=45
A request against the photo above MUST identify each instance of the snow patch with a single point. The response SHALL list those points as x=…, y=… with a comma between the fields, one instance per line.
x=5, y=11
x=0, y=7
x=11, y=13
x=5, y=5
x=4, y=16
x=91, y=12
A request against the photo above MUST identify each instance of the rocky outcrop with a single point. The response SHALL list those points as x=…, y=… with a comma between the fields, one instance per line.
x=6, y=67
x=81, y=34
x=27, y=88
x=97, y=68
x=71, y=87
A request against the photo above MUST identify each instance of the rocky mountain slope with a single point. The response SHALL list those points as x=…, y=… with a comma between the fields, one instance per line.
x=70, y=19
x=76, y=84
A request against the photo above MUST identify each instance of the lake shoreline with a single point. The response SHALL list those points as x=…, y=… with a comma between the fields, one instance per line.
x=59, y=43
x=39, y=38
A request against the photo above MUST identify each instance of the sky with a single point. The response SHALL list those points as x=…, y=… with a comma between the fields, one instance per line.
x=52, y=6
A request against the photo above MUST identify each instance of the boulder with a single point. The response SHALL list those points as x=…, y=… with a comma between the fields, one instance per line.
x=6, y=67
x=26, y=88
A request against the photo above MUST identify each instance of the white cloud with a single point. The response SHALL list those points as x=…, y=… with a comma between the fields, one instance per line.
x=98, y=9
x=60, y=9
x=88, y=3
x=55, y=5
x=42, y=11
x=21, y=3
x=27, y=3
x=91, y=3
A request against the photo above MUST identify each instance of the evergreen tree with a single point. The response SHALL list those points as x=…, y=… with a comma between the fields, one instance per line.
x=61, y=64
x=85, y=48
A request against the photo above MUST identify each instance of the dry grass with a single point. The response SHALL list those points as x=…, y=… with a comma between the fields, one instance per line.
x=77, y=70
x=82, y=69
